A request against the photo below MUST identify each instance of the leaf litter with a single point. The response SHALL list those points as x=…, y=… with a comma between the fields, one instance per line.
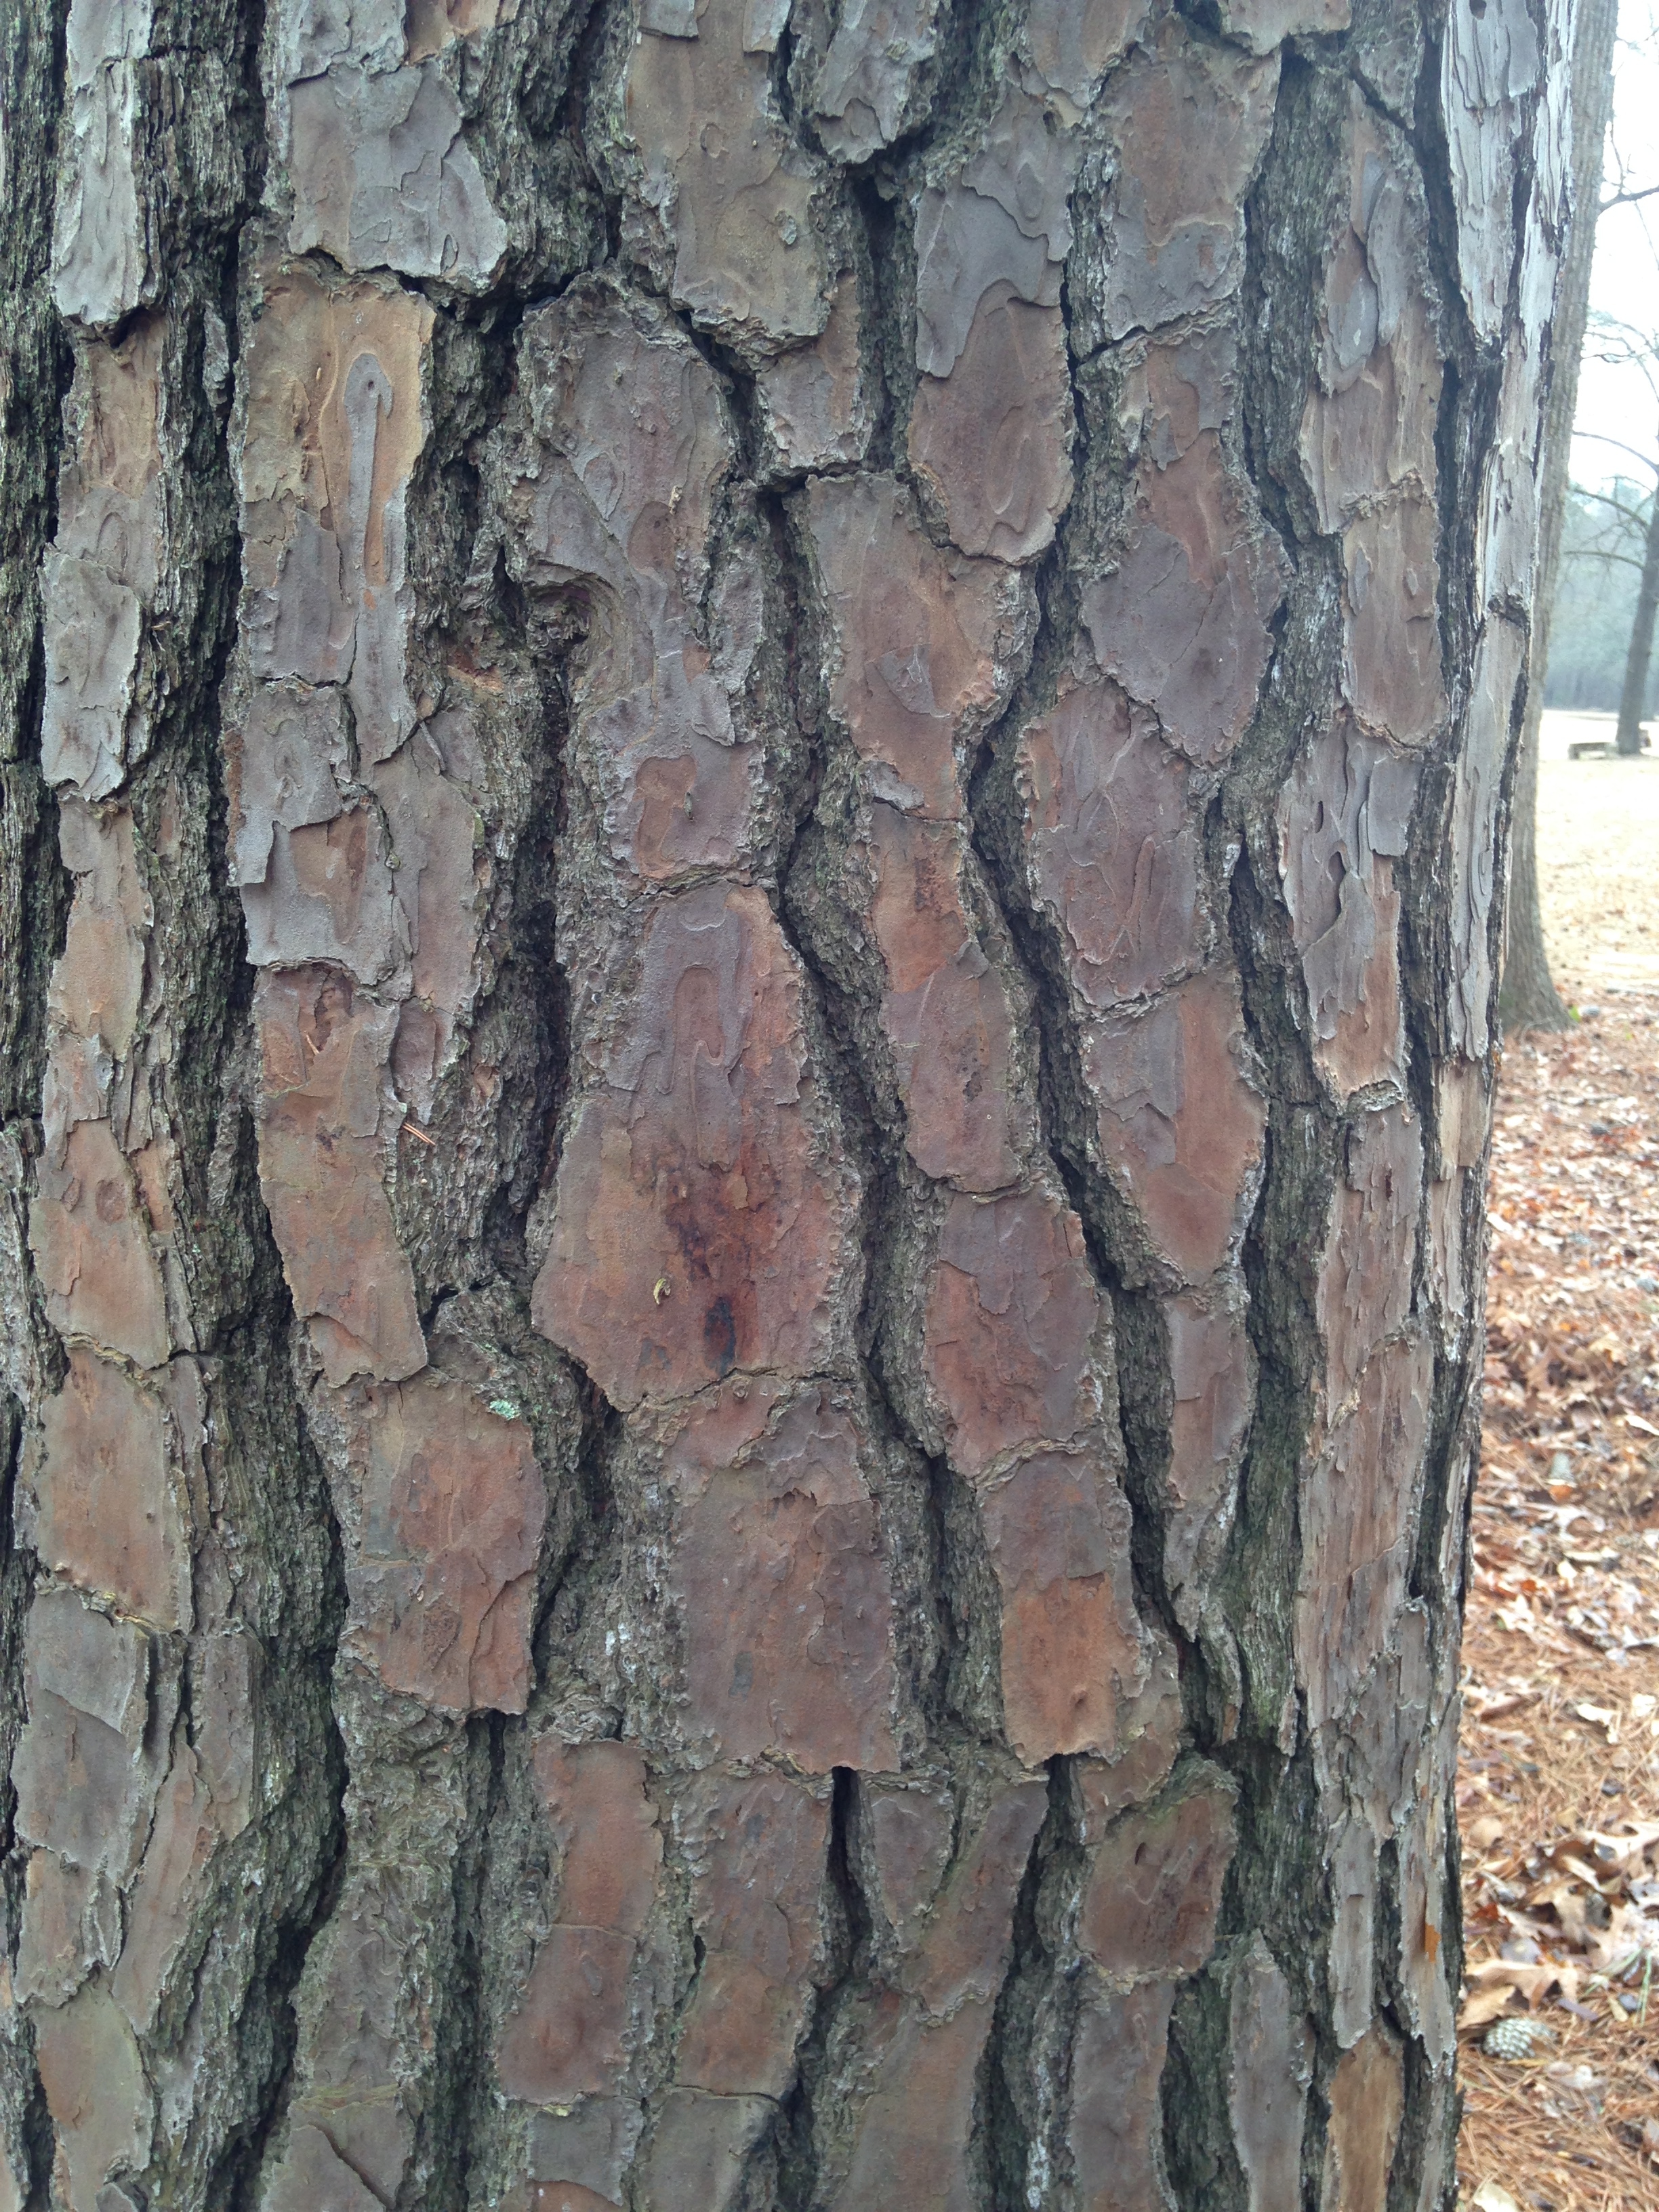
x=1558, y=1787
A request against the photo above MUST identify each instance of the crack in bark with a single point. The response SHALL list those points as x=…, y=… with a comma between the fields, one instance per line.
x=1281, y=1890
x=1013, y=2117
x=798, y=2131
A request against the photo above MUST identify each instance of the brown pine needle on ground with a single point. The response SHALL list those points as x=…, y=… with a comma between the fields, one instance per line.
x=1559, y=1792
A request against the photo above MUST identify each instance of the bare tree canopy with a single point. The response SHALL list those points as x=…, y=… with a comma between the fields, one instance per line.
x=1629, y=518
x=756, y=765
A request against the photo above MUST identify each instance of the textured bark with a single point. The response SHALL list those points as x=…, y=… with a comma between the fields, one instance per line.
x=746, y=1105
x=1529, y=999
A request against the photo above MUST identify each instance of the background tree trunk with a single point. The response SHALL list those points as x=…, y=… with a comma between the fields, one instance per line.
x=1641, y=641
x=746, y=1112
x=1529, y=999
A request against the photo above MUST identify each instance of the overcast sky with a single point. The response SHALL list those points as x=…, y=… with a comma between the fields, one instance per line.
x=1617, y=402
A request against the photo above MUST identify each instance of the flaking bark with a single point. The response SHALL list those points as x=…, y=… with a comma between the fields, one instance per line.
x=745, y=1136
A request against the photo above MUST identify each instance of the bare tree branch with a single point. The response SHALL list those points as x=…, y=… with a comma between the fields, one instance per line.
x=1601, y=438
x=1597, y=553
x=1630, y=514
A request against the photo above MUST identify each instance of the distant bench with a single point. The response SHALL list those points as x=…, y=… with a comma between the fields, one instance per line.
x=1604, y=748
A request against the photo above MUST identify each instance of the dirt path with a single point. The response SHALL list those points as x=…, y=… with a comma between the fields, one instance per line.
x=1598, y=861
x=1559, y=1795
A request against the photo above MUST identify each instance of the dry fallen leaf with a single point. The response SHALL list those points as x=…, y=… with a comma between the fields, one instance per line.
x=1630, y=1935
x=1568, y=1903
x=1493, y=1981
x=1491, y=2197
x=1484, y=2005
x=1571, y=1863
x=1623, y=1853
x=1560, y=1728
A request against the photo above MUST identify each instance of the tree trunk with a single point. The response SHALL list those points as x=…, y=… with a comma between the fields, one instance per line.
x=1529, y=999
x=744, y=1137
x=1634, y=695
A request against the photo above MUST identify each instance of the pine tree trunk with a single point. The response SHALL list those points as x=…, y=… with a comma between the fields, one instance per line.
x=756, y=771
x=1529, y=999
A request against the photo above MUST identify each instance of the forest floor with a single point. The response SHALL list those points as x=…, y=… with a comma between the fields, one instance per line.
x=1558, y=1791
